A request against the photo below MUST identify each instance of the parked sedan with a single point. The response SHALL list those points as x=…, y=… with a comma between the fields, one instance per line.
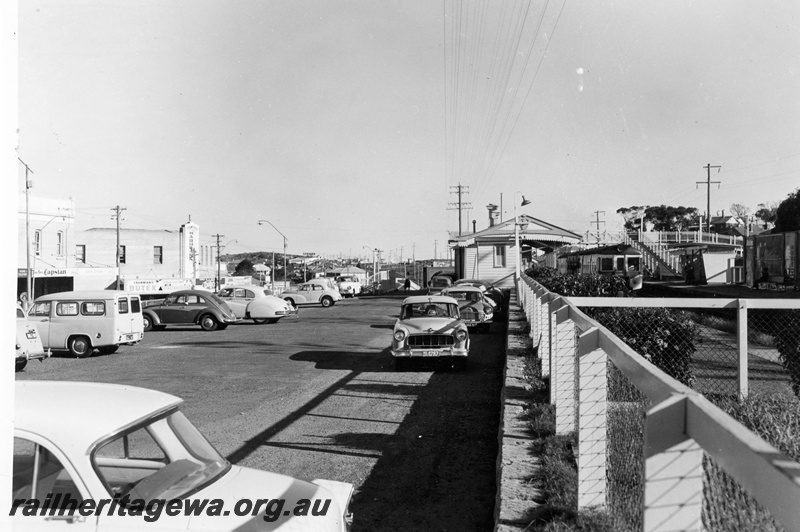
x=476, y=309
x=29, y=343
x=312, y=292
x=187, y=307
x=256, y=303
x=430, y=327
x=494, y=293
x=78, y=444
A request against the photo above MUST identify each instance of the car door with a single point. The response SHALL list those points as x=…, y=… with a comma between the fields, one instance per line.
x=236, y=299
x=316, y=293
x=173, y=309
x=195, y=304
x=39, y=315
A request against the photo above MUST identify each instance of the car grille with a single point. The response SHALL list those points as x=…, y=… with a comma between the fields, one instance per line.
x=430, y=340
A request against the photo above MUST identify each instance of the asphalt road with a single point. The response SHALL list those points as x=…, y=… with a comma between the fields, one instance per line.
x=318, y=397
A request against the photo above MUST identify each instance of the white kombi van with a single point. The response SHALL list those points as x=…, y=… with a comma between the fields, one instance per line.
x=81, y=321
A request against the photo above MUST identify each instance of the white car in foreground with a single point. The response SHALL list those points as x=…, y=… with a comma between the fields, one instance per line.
x=256, y=303
x=77, y=444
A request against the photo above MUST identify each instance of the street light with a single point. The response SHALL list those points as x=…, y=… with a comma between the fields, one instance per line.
x=262, y=222
x=516, y=238
x=374, y=266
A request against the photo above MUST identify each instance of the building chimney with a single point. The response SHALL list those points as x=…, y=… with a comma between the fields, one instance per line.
x=492, y=213
x=474, y=226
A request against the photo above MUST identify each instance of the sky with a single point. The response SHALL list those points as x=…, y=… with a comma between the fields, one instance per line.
x=348, y=124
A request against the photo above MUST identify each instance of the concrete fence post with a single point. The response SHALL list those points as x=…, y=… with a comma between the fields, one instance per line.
x=741, y=342
x=673, y=470
x=543, y=316
x=592, y=421
x=562, y=382
x=533, y=319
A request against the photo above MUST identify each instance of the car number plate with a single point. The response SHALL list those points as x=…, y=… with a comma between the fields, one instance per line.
x=430, y=353
x=129, y=337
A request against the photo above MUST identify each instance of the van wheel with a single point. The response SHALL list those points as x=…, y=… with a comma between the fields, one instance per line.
x=148, y=324
x=108, y=349
x=209, y=323
x=327, y=302
x=80, y=346
x=20, y=364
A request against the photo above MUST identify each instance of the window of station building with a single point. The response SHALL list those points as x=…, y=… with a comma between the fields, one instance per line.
x=158, y=255
x=80, y=253
x=499, y=256
x=606, y=264
x=122, y=254
x=60, y=243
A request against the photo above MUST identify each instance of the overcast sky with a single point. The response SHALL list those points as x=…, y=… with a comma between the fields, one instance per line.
x=347, y=123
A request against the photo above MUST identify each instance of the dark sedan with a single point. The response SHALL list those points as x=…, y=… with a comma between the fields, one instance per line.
x=188, y=307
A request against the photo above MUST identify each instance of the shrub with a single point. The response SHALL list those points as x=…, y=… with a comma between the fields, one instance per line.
x=665, y=338
x=789, y=347
x=586, y=285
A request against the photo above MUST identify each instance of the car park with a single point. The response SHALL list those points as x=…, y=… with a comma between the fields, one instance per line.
x=79, y=442
x=256, y=303
x=430, y=327
x=349, y=285
x=29, y=344
x=475, y=308
x=188, y=307
x=315, y=291
x=83, y=320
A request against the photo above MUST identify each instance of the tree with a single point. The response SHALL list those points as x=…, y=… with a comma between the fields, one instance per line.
x=668, y=218
x=740, y=211
x=244, y=268
x=767, y=213
x=787, y=216
x=632, y=216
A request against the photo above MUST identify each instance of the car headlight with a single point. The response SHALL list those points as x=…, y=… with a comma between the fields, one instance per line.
x=487, y=310
x=461, y=335
x=399, y=335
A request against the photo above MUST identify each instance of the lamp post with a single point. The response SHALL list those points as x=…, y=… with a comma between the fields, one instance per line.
x=516, y=239
x=262, y=222
x=374, y=267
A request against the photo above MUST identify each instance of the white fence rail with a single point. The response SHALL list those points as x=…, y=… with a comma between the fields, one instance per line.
x=680, y=426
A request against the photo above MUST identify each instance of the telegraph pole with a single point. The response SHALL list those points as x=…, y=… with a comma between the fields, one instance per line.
x=29, y=271
x=598, y=222
x=217, y=287
x=116, y=216
x=459, y=205
x=708, y=184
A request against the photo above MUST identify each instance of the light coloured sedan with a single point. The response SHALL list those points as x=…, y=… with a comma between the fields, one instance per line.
x=256, y=303
x=29, y=343
x=121, y=458
x=430, y=327
x=476, y=309
x=315, y=291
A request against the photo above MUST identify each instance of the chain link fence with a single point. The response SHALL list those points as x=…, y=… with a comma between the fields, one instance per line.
x=698, y=347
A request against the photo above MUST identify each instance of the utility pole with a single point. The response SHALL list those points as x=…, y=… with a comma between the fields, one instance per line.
x=459, y=205
x=116, y=216
x=29, y=271
x=598, y=222
x=218, y=284
x=435, y=250
x=708, y=184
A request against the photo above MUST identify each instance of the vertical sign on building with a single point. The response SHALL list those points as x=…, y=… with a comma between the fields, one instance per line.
x=190, y=250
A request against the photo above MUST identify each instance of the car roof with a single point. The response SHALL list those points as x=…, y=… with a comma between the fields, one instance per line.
x=57, y=409
x=248, y=286
x=463, y=288
x=85, y=294
x=475, y=281
x=429, y=299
